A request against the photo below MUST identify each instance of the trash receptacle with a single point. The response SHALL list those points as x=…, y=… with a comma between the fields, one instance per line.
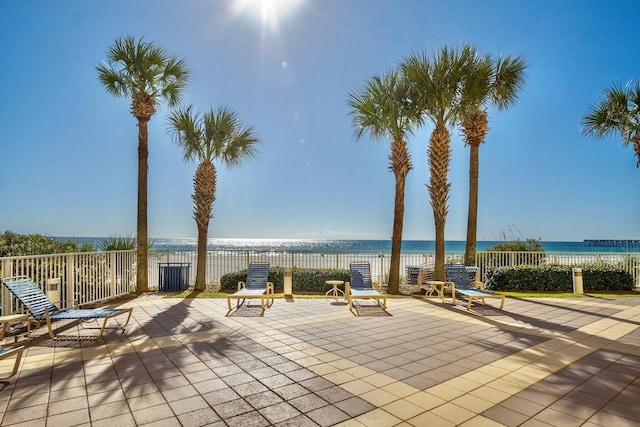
x=412, y=274
x=173, y=276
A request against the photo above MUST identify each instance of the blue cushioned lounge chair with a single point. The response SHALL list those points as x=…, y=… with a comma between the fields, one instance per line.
x=6, y=353
x=42, y=309
x=361, y=287
x=256, y=286
x=458, y=275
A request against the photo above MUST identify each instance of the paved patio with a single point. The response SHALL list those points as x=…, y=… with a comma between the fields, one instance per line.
x=311, y=362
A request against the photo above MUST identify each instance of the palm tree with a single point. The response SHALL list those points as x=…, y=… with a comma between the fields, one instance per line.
x=215, y=135
x=382, y=110
x=436, y=94
x=618, y=113
x=487, y=82
x=148, y=75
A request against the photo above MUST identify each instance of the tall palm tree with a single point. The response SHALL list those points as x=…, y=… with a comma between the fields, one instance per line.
x=148, y=75
x=215, y=135
x=487, y=82
x=618, y=113
x=382, y=109
x=436, y=94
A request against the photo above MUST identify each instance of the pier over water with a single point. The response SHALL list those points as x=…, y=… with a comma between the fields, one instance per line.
x=613, y=243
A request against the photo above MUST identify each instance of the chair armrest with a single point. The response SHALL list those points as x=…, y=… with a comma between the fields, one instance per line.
x=270, y=287
x=347, y=288
x=241, y=285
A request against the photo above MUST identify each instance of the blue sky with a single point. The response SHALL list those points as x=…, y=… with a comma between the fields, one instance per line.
x=69, y=149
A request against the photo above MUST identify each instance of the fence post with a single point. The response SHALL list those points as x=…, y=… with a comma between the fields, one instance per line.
x=7, y=271
x=112, y=272
x=70, y=285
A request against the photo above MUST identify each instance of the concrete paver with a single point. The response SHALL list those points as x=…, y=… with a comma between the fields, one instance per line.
x=312, y=363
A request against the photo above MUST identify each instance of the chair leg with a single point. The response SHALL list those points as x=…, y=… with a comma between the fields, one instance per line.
x=18, y=354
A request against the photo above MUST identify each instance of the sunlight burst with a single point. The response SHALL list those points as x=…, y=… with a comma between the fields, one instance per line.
x=269, y=12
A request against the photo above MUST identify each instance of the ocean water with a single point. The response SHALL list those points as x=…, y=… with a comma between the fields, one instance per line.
x=186, y=244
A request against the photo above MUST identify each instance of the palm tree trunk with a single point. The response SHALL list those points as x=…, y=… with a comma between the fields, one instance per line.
x=142, y=275
x=396, y=238
x=400, y=165
x=439, y=161
x=472, y=215
x=474, y=127
x=202, y=258
x=204, y=194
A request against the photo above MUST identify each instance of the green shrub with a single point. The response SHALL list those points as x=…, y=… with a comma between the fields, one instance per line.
x=526, y=278
x=304, y=279
x=492, y=258
x=14, y=244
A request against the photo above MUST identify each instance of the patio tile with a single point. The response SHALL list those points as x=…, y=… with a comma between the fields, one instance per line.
x=298, y=421
x=354, y=406
x=276, y=381
x=279, y=412
x=505, y=416
x=139, y=389
x=30, y=414
x=327, y=415
x=250, y=419
x=106, y=397
x=68, y=405
x=291, y=391
x=263, y=399
x=334, y=394
x=232, y=408
x=199, y=417
x=73, y=418
x=146, y=401
x=108, y=411
x=179, y=393
x=210, y=385
x=239, y=378
x=220, y=396
x=122, y=420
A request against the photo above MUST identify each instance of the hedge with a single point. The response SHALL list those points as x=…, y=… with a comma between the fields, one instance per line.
x=557, y=278
x=304, y=279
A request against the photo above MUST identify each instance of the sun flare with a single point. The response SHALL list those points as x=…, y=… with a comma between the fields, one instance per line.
x=268, y=12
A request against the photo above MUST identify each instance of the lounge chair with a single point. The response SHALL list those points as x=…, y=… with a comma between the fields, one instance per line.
x=256, y=286
x=42, y=309
x=6, y=353
x=361, y=287
x=459, y=276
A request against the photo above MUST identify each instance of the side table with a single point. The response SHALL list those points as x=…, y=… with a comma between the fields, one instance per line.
x=335, y=292
x=11, y=318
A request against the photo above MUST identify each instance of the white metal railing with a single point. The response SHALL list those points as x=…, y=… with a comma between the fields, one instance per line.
x=221, y=262
x=85, y=277
x=629, y=262
x=94, y=276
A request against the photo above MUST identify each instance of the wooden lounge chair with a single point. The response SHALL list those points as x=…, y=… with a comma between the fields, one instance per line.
x=6, y=353
x=42, y=309
x=361, y=287
x=256, y=286
x=459, y=276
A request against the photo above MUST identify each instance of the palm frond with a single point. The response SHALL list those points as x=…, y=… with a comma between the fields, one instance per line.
x=617, y=113
x=510, y=76
x=136, y=66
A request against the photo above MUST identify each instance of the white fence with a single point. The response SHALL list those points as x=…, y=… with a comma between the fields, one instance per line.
x=94, y=276
x=85, y=277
